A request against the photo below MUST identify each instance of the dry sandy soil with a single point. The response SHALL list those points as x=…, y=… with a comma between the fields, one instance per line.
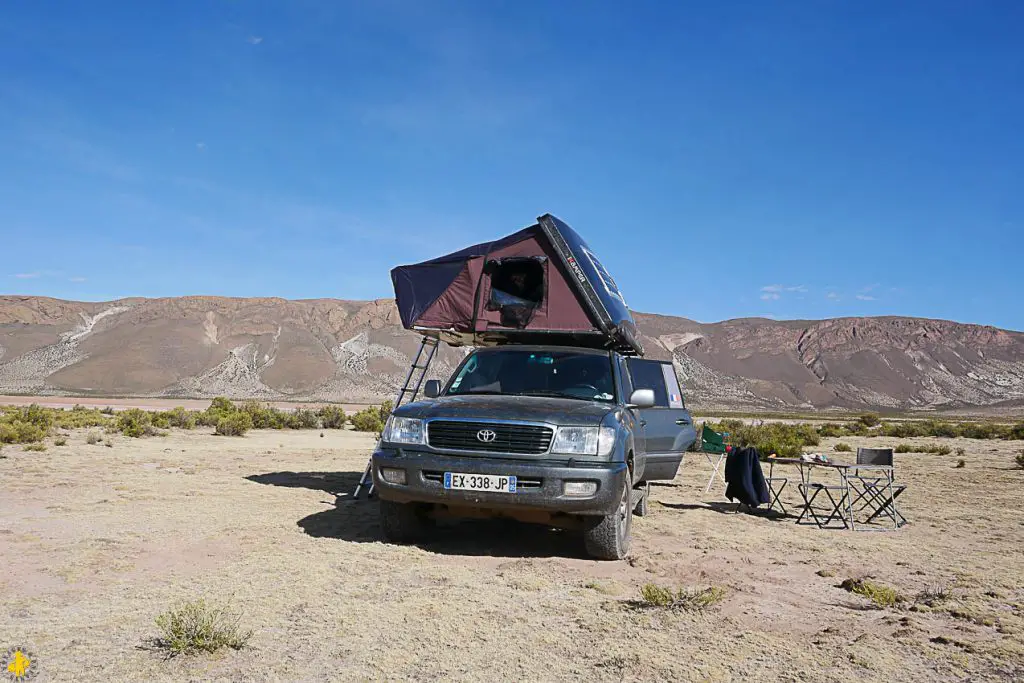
x=97, y=541
x=152, y=403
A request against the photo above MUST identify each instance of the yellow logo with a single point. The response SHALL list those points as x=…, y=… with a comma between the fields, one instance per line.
x=20, y=665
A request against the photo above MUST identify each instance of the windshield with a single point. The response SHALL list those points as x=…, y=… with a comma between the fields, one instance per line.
x=563, y=374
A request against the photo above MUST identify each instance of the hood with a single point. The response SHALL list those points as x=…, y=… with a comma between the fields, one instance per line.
x=559, y=411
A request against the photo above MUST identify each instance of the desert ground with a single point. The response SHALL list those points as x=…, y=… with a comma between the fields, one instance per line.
x=98, y=541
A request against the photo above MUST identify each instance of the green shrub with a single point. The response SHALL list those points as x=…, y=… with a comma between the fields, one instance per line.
x=235, y=424
x=842, y=447
x=179, y=418
x=1019, y=459
x=199, y=627
x=80, y=417
x=689, y=599
x=60, y=441
x=938, y=450
x=785, y=440
x=882, y=596
x=332, y=417
x=18, y=431
x=35, y=447
x=135, y=423
x=372, y=419
x=869, y=420
x=303, y=418
x=904, y=448
x=93, y=438
x=831, y=430
x=1016, y=432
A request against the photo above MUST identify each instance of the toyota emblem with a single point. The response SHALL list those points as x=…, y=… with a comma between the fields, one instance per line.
x=486, y=435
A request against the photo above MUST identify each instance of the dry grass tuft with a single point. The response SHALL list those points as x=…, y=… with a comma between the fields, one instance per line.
x=879, y=594
x=688, y=599
x=199, y=627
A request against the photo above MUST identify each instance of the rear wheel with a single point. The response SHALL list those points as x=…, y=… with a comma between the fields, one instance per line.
x=608, y=537
x=403, y=522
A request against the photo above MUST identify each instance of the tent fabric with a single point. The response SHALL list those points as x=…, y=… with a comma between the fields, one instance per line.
x=456, y=298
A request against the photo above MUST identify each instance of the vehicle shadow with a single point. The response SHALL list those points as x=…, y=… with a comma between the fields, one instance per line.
x=357, y=521
x=726, y=508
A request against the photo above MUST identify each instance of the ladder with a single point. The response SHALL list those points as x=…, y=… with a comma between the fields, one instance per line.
x=407, y=394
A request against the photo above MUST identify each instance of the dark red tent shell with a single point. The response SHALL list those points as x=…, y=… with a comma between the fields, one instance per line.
x=542, y=284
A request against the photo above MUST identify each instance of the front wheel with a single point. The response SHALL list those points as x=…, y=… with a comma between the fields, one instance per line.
x=608, y=537
x=402, y=522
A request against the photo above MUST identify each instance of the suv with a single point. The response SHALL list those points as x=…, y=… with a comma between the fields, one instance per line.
x=563, y=436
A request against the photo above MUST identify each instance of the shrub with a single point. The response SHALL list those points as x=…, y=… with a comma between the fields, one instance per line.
x=961, y=463
x=785, y=440
x=1019, y=459
x=372, y=419
x=904, y=448
x=235, y=424
x=842, y=447
x=869, y=420
x=178, y=417
x=35, y=447
x=1016, y=432
x=199, y=627
x=93, y=438
x=135, y=423
x=961, y=452
x=831, y=430
x=80, y=416
x=60, y=441
x=938, y=450
x=689, y=599
x=303, y=418
x=881, y=596
x=332, y=417
x=19, y=431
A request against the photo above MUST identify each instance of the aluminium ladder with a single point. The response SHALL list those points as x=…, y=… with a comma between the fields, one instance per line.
x=407, y=394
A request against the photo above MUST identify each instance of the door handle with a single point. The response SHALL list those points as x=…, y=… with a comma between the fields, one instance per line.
x=682, y=421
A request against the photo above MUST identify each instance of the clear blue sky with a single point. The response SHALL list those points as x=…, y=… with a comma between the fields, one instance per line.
x=789, y=159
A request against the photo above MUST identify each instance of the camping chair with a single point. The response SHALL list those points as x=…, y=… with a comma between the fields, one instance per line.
x=873, y=480
x=837, y=507
x=712, y=443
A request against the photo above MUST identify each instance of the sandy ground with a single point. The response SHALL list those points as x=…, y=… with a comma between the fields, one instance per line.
x=97, y=541
x=149, y=403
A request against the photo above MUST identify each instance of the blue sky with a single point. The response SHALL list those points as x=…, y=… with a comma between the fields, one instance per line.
x=788, y=159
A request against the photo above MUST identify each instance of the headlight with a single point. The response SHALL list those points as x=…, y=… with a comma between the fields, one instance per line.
x=404, y=430
x=584, y=440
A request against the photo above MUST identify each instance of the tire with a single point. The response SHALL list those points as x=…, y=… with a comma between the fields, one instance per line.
x=608, y=537
x=642, y=506
x=402, y=522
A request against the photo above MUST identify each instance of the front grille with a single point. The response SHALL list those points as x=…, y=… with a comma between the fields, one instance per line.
x=509, y=438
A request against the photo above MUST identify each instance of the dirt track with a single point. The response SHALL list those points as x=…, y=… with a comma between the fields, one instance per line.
x=96, y=541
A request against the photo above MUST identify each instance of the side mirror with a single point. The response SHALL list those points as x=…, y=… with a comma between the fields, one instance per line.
x=432, y=389
x=642, y=398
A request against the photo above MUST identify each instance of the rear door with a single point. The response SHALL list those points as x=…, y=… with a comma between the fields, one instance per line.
x=667, y=427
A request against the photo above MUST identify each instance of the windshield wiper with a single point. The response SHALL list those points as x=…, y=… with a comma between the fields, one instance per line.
x=553, y=394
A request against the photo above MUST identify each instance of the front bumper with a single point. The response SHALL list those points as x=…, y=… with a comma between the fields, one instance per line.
x=540, y=483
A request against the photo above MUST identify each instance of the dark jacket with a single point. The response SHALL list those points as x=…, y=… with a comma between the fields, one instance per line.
x=744, y=479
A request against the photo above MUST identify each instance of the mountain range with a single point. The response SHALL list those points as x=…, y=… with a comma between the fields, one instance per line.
x=357, y=351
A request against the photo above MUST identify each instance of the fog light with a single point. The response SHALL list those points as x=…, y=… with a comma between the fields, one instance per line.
x=580, y=489
x=392, y=475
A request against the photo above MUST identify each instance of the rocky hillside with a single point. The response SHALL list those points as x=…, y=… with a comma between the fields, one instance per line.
x=330, y=350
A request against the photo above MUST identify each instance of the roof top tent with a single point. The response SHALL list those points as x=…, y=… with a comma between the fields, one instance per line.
x=541, y=285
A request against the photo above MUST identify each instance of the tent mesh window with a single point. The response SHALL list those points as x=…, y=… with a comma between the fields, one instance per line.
x=517, y=289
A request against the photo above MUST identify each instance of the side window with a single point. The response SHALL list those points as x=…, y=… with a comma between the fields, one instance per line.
x=647, y=374
x=627, y=385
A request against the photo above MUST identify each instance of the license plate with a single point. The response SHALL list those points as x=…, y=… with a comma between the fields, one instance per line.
x=480, y=482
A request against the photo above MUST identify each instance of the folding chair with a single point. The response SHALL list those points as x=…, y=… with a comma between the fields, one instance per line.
x=876, y=488
x=836, y=509
x=712, y=443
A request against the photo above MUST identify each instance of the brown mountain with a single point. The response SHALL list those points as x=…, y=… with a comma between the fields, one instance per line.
x=330, y=350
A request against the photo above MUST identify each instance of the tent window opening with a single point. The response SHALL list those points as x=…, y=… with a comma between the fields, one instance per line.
x=517, y=289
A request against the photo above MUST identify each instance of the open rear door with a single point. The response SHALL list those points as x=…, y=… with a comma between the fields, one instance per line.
x=668, y=428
